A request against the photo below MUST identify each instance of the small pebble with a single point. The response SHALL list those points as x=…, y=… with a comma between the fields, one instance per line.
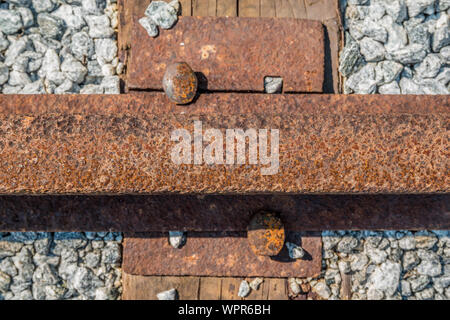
x=255, y=283
x=177, y=239
x=171, y=294
x=295, y=251
x=244, y=289
x=273, y=84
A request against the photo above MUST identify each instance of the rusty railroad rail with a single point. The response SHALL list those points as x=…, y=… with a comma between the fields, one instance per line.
x=122, y=144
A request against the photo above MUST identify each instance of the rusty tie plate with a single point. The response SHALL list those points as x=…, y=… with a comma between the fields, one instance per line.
x=218, y=254
x=122, y=144
x=232, y=54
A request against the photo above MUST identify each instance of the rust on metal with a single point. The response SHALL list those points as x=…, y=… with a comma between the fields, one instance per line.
x=218, y=254
x=265, y=234
x=223, y=213
x=236, y=59
x=180, y=83
x=122, y=144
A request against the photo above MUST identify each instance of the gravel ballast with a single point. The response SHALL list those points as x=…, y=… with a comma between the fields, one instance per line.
x=392, y=47
x=56, y=46
x=396, y=47
x=61, y=265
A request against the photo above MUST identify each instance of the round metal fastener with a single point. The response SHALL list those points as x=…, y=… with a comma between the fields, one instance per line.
x=266, y=234
x=180, y=83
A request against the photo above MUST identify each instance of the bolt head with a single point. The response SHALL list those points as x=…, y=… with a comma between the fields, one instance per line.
x=180, y=83
x=266, y=234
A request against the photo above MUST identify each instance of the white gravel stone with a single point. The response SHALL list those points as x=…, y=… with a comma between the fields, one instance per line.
x=255, y=283
x=293, y=286
x=390, y=70
x=430, y=264
x=17, y=78
x=50, y=26
x=357, y=2
x=74, y=70
x=72, y=20
x=7, y=89
x=444, y=76
x=111, y=254
x=432, y=86
x=34, y=60
x=108, y=70
x=350, y=59
x=168, y=295
x=92, y=89
x=363, y=81
x=5, y=281
x=347, y=244
x=45, y=275
x=42, y=5
x=396, y=9
x=111, y=85
x=36, y=87
x=162, y=14
x=358, y=262
x=27, y=16
x=295, y=251
x=405, y=288
x=244, y=289
x=355, y=13
x=390, y=88
x=149, y=26
x=120, y=68
x=413, y=53
x=368, y=28
x=441, y=36
x=85, y=282
x=21, y=64
x=425, y=239
x=407, y=242
x=99, y=26
x=82, y=46
x=377, y=256
x=4, y=43
x=10, y=21
x=66, y=87
x=329, y=239
x=429, y=67
x=374, y=294
x=4, y=73
x=376, y=11
x=418, y=282
x=419, y=34
x=372, y=50
x=322, y=289
x=426, y=294
x=14, y=50
x=415, y=7
x=273, y=84
x=105, y=293
x=177, y=238
x=408, y=86
x=105, y=49
x=397, y=36
x=90, y=6
x=443, y=5
x=176, y=5
x=386, y=277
